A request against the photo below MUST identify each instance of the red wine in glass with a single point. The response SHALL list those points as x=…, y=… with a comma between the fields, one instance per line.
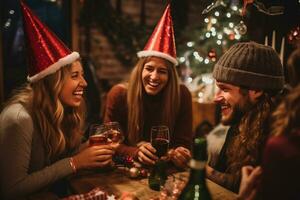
x=160, y=139
x=161, y=145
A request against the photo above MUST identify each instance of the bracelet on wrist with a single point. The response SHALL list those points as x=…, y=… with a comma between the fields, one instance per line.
x=73, y=166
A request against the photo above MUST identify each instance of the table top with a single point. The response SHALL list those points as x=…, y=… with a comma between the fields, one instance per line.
x=116, y=182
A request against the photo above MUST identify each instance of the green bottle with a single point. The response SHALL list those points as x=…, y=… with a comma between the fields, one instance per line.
x=158, y=175
x=196, y=188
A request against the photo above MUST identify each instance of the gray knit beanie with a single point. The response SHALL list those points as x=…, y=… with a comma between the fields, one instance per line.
x=251, y=65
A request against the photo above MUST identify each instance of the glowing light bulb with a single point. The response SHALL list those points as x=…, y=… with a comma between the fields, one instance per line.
x=190, y=44
x=181, y=59
x=214, y=21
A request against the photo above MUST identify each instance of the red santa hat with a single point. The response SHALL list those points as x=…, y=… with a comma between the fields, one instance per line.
x=162, y=41
x=46, y=52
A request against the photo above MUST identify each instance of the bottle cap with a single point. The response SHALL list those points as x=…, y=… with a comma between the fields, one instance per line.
x=200, y=149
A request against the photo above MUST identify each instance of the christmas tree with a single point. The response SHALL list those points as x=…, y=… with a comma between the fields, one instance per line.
x=222, y=27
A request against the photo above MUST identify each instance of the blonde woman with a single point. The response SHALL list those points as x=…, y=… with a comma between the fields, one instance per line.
x=41, y=125
x=153, y=96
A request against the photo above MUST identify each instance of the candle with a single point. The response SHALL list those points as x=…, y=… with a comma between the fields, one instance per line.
x=281, y=55
x=266, y=40
x=273, y=39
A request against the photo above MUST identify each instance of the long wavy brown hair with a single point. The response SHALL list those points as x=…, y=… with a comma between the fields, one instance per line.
x=253, y=130
x=170, y=102
x=287, y=115
x=60, y=127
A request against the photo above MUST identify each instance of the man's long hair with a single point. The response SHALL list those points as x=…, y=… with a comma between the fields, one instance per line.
x=253, y=129
x=135, y=100
x=60, y=127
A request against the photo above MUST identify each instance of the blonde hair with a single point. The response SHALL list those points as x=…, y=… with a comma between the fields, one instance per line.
x=60, y=127
x=170, y=102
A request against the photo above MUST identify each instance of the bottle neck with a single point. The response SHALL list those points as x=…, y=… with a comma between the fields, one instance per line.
x=197, y=173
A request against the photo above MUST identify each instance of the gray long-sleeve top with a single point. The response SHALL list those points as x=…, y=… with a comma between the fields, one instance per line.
x=23, y=166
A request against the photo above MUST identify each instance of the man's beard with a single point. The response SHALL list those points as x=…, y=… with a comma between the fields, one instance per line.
x=238, y=111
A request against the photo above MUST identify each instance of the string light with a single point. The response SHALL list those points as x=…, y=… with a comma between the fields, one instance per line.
x=219, y=42
x=206, y=61
x=214, y=21
x=235, y=8
x=7, y=23
x=196, y=54
x=207, y=35
x=237, y=36
x=227, y=30
x=228, y=15
x=206, y=20
x=220, y=36
x=231, y=25
x=217, y=14
x=190, y=44
x=181, y=59
x=207, y=79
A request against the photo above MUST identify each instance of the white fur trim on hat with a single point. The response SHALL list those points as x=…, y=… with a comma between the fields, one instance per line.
x=54, y=67
x=147, y=53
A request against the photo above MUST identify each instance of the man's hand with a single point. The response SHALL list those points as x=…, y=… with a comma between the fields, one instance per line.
x=250, y=182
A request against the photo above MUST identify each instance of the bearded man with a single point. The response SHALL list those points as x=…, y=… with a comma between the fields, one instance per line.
x=250, y=78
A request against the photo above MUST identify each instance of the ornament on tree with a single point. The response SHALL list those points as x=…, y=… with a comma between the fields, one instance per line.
x=231, y=36
x=212, y=54
x=294, y=35
x=241, y=28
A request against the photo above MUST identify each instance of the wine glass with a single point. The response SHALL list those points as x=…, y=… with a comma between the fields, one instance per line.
x=113, y=132
x=97, y=135
x=160, y=139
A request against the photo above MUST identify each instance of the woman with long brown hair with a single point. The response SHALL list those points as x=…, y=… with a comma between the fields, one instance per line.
x=41, y=125
x=153, y=96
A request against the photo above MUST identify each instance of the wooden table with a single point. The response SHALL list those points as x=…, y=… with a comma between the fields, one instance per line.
x=116, y=182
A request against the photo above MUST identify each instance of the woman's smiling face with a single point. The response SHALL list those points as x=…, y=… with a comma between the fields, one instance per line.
x=155, y=75
x=73, y=87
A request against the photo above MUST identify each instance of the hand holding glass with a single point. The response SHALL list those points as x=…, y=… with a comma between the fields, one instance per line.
x=160, y=140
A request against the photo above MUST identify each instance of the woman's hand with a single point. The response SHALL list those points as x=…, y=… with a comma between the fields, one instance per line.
x=94, y=156
x=250, y=182
x=180, y=156
x=146, y=153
